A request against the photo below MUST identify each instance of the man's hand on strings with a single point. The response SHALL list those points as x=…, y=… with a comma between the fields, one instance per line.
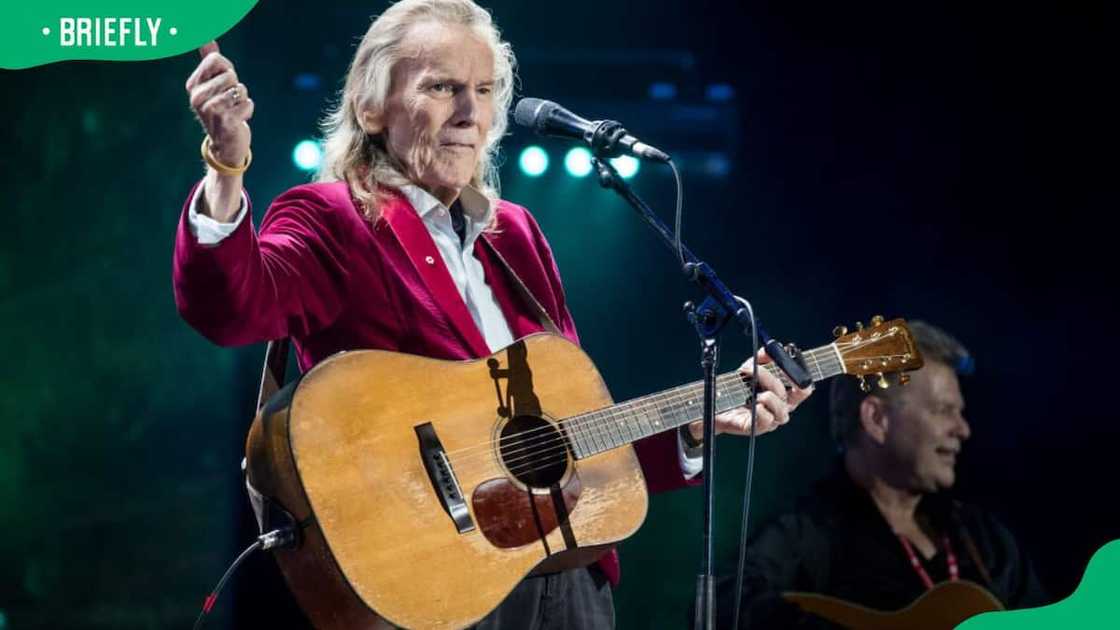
x=775, y=404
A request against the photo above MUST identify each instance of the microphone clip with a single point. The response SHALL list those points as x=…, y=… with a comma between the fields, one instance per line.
x=605, y=139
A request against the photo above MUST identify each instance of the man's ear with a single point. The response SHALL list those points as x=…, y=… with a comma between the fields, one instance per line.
x=874, y=419
x=372, y=123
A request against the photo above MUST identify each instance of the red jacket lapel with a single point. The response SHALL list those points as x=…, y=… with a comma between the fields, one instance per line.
x=425, y=257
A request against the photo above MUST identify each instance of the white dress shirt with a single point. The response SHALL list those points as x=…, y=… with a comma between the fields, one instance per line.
x=465, y=269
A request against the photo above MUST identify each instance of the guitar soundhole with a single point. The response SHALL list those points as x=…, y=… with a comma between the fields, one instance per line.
x=534, y=451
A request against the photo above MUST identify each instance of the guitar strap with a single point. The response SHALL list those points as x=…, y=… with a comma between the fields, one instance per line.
x=970, y=546
x=272, y=379
x=275, y=367
x=969, y=543
x=523, y=291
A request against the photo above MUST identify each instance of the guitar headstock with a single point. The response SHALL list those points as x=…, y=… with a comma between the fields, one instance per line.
x=884, y=347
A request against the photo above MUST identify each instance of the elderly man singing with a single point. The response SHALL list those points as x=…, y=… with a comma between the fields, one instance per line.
x=404, y=245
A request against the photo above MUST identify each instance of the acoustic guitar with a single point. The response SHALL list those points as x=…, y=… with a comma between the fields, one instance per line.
x=943, y=607
x=425, y=490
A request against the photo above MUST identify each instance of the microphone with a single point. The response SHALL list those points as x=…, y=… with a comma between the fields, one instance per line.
x=606, y=137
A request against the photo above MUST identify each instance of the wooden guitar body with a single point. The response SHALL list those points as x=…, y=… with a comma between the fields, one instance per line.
x=342, y=452
x=943, y=607
x=425, y=490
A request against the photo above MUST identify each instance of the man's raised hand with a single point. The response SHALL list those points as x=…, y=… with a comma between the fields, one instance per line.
x=222, y=105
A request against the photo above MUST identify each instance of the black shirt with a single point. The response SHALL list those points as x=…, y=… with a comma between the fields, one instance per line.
x=458, y=221
x=837, y=543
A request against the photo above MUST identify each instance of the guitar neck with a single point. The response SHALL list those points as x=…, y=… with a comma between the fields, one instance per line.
x=612, y=427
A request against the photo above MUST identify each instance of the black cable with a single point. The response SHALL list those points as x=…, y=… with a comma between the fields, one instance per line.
x=208, y=604
x=750, y=471
x=276, y=538
x=679, y=213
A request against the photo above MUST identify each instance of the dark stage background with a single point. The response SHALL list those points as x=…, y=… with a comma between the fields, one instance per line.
x=917, y=160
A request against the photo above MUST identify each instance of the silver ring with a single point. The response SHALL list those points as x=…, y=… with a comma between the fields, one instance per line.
x=234, y=95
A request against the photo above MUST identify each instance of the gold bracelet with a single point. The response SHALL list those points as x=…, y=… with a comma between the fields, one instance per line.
x=222, y=168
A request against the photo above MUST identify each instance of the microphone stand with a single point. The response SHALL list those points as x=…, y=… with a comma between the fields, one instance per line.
x=718, y=308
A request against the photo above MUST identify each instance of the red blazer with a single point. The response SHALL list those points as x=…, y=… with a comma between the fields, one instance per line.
x=323, y=275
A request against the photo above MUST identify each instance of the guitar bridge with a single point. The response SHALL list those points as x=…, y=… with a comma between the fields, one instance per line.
x=443, y=478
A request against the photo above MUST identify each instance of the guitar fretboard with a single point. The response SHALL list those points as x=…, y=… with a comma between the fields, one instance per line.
x=605, y=429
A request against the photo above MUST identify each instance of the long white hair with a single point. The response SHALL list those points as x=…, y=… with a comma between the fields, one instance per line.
x=362, y=160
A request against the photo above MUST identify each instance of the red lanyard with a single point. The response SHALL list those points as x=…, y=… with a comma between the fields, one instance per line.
x=950, y=559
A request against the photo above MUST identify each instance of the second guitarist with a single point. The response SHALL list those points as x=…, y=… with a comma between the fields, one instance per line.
x=882, y=529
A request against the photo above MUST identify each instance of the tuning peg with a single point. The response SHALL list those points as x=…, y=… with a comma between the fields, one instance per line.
x=859, y=325
x=863, y=386
x=877, y=320
x=903, y=379
x=839, y=331
x=883, y=384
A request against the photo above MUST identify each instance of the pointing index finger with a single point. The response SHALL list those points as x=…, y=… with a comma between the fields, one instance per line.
x=208, y=68
x=208, y=48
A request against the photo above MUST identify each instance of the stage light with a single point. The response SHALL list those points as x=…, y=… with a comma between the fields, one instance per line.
x=307, y=82
x=719, y=93
x=717, y=165
x=578, y=162
x=308, y=155
x=626, y=166
x=662, y=91
x=533, y=161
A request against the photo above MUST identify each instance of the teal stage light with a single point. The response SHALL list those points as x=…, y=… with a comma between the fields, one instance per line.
x=308, y=155
x=578, y=162
x=626, y=166
x=533, y=161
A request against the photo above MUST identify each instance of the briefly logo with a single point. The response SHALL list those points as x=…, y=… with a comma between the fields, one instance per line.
x=46, y=31
x=95, y=32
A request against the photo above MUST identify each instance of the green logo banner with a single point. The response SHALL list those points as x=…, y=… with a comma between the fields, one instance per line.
x=46, y=31
x=1092, y=605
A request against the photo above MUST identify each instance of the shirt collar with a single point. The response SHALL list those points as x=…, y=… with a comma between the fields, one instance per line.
x=476, y=206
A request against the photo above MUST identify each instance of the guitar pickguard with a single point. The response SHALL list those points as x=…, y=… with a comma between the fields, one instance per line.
x=511, y=516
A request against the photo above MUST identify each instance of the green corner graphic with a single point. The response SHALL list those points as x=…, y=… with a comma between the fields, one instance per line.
x=1090, y=606
x=37, y=33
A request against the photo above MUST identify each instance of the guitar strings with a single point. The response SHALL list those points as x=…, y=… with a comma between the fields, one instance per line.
x=594, y=427
x=671, y=398
x=545, y=458
x=603, y=430
x=607, y=427
x=589, y=426
x=601, y=427
x=607, y=431
x=549, y=452
x=614, y=438
x=595, y=430
x=557, y=451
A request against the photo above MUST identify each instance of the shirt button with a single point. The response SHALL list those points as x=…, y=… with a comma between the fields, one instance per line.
x=429, y=260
